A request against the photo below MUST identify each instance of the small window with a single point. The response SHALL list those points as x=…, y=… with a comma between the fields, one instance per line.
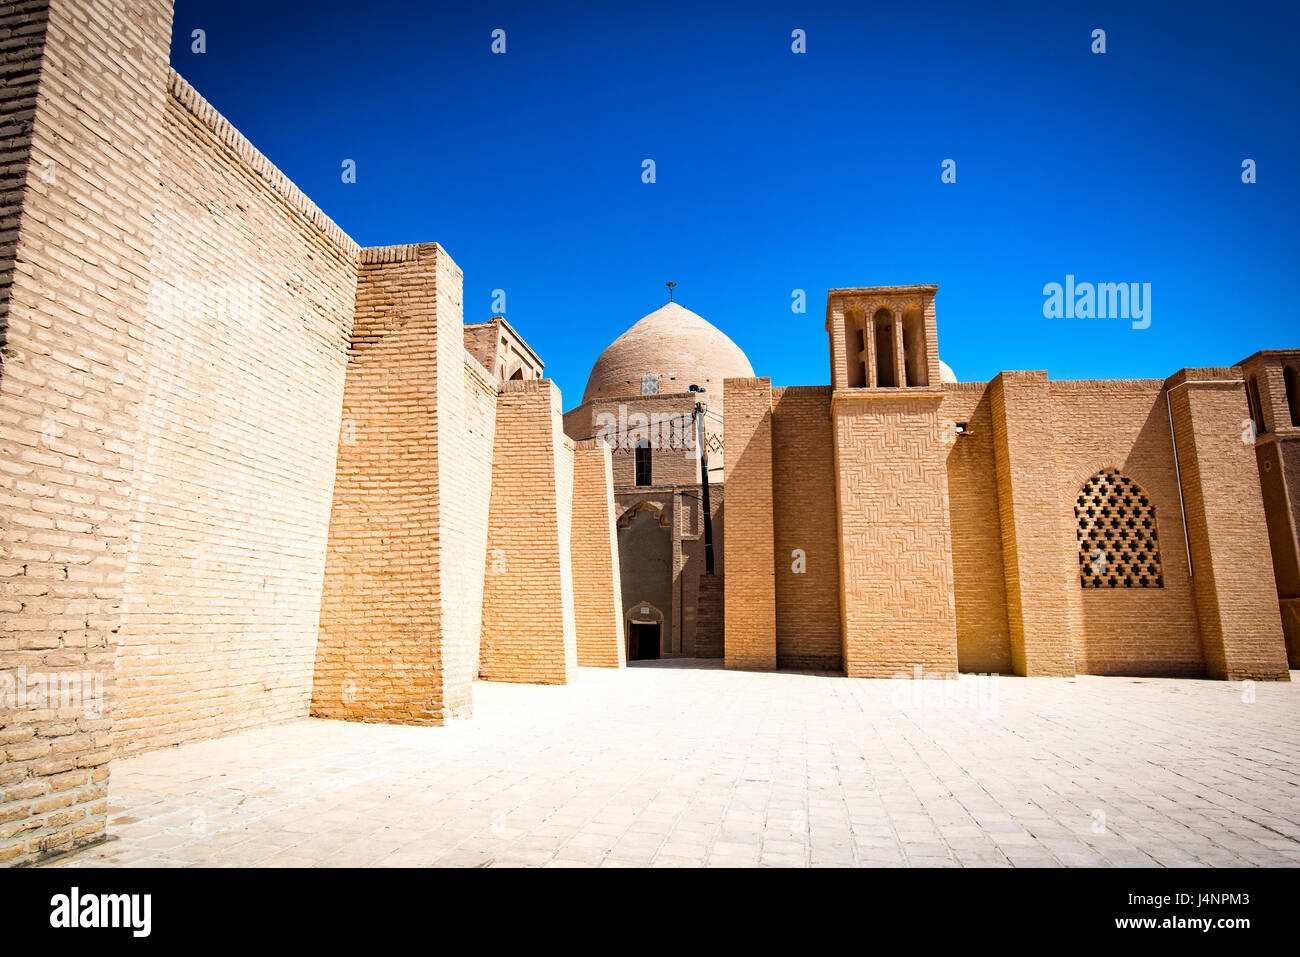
x=643, y=475
x=1290, y=376
x=886, y=377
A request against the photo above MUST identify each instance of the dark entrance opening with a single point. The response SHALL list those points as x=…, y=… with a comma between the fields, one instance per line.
x=644, y=641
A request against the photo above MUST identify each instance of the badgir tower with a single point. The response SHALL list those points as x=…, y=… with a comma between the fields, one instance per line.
x=252, y=471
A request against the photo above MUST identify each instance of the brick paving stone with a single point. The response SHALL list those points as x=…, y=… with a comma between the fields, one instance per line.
x=709, y=767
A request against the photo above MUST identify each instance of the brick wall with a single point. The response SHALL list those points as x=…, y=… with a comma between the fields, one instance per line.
x=528, y=618
x=896, y=557
x=1124, y=425
x=1277, y=453
x=243, y=357
x=803, y=518
x=380, y=647
x=23, y=26
x=597, y=590
x=750, y=602
x=472, y=488
x=979, y=583
x=1241, y=628
x=69, y=388
x=709, y=621
x=1040, y=565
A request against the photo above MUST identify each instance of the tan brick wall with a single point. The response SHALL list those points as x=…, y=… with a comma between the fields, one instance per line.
x=69, y=388
x=896, y=556
x=500, y=350
x=1040, y=565
x=1241, y=628
x=979, y=583
x=597, y=590
x=23, y=26
x=803, y=517
x=462, y=514
x=750, y=583
x=710, y=624
x=1124, y=424
x=528, y=619
x=243, y=359
x=1277, y=452
x=471, y=492
x=379, y=655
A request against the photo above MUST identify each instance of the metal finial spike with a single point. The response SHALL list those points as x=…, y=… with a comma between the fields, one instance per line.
x=670, y=290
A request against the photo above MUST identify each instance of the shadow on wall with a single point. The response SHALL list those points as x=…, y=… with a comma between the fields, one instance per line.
x=978, y=572
x=22, y=65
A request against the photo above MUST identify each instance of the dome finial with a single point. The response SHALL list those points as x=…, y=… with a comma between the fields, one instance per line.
x=670, y=290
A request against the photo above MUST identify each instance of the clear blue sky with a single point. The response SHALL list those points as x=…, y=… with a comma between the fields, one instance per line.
x=778, y=171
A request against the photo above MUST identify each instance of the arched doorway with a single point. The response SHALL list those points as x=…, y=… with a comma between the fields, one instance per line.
x=645, y=553
x=644, y=632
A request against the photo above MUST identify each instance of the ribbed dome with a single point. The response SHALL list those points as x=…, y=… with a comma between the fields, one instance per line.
x=682, y=348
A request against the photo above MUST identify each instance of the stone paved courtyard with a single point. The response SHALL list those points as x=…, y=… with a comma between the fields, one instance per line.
x=682, y=764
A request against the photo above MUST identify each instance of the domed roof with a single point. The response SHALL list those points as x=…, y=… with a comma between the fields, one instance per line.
x=683, y=349
x=946, y=375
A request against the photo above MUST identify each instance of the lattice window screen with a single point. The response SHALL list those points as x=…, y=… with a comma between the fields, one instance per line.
x=1118, y=547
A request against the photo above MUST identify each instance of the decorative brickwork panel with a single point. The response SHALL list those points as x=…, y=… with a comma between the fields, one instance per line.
x=896, y=554
x=1118, y=547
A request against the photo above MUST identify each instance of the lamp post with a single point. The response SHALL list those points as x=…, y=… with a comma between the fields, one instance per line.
x=703, y=438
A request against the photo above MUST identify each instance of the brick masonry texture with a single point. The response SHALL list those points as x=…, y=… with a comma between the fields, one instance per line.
x=597, y=590
x=529, y=628
x=1236, y=605
x=1040, y=575
x=243, y=354
x=251, y=471
x=192, y=353
x=378, y=656
x=70, y=388
x=804, y=530
x=896, y=594
x=750, y=582
x=979, y=585
x=1277, y=452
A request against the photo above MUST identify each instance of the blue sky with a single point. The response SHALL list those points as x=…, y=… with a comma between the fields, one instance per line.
x=779, y=171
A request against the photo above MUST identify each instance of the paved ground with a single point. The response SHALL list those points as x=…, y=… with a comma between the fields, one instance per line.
x=678, y=766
